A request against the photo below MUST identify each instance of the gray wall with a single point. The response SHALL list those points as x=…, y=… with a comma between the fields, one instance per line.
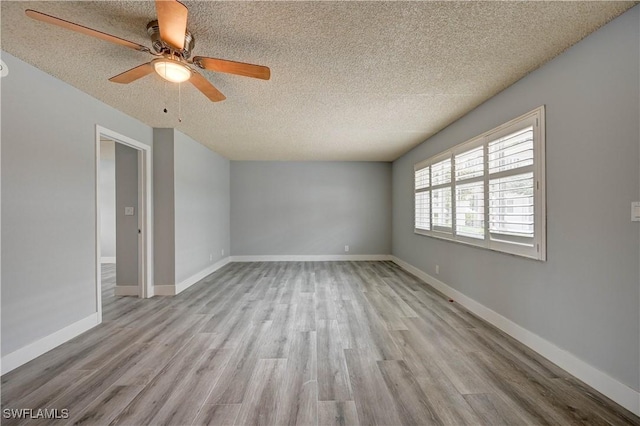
x=202, y=206
x=585, y=298
x=310, y=208
x=107, y=198
x=49, y=201
x=126, y=226
x=164, y=247
x=192, y=205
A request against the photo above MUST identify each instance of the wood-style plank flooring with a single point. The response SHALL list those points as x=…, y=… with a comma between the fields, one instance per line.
x=327, y=343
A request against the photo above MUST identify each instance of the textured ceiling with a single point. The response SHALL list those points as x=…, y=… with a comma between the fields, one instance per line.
x=350, y=80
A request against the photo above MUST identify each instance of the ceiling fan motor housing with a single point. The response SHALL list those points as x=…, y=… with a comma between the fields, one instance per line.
x=160, y=47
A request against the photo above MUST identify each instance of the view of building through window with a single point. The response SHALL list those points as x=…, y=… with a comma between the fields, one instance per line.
x=487, y=191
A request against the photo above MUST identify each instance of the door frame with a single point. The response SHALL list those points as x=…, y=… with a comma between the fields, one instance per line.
x=145, y=219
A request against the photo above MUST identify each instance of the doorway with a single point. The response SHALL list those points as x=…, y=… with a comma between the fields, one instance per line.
x=123, y=217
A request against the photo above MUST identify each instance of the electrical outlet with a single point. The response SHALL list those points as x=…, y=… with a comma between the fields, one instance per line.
x=635, y=211
x=222, y=252
x=210, y=257
x=437, y=269
x=346, y=248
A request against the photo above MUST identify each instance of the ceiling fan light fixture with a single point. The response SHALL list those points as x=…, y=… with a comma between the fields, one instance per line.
x=172, y=71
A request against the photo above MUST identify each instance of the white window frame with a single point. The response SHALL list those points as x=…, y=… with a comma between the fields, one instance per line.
x=537, y=251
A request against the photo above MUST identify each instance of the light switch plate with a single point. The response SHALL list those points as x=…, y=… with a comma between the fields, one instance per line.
x=635, y=211
x=129, y=211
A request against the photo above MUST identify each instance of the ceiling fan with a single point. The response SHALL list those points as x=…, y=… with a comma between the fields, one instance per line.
x=172, y=45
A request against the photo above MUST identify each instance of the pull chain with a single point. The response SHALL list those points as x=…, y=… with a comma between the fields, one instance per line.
x=179, y=102
x=164, y=86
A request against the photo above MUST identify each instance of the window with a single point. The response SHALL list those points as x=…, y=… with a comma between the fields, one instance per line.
x=441, y=203
x=489, y=191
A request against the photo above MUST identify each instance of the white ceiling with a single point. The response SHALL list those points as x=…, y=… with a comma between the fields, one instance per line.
x=363, y=81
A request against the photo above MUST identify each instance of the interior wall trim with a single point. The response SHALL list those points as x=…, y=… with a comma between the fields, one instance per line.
x=602, y=382
x=311, y=258
x=145, y=213
x=172, y=290
x=33, y=350
x=105, y=259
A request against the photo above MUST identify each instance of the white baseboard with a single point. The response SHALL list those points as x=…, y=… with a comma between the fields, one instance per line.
x=172, y=290
x=164, y=290
x=107, y=260
x=33, y=350
x=127, y=290
x=311, y=258
x=602, y=382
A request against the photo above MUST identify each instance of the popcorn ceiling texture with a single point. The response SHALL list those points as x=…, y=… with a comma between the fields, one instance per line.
x=364, y=81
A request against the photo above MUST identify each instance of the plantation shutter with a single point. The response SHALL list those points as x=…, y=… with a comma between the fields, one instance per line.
x=511, y=188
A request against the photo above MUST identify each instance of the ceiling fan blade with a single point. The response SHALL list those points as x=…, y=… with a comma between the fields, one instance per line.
x=203, y=85
x=84, y=30
x=232, y=67
x=172, y=20
x=133, y=74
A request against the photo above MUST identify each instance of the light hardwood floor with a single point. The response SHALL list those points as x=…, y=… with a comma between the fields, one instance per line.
x=301, y=343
